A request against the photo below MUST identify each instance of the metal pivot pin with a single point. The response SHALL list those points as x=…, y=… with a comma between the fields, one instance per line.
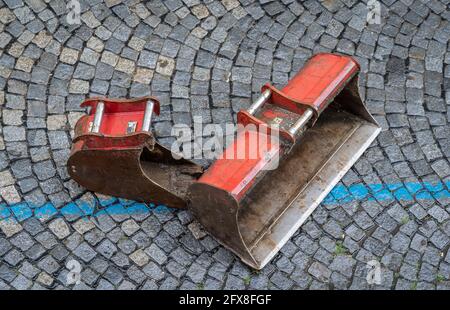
x=148, y=116
x=259, y=102
x=98, y=117
x=301, y=122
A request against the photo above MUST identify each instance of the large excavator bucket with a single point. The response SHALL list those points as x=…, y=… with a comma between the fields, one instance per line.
x=324, y=128
x=114, y=153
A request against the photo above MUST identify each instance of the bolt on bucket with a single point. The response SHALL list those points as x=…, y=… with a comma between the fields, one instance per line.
x=253, y=206
x=114, y=153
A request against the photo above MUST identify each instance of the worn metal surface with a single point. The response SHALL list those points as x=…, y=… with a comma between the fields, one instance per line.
x=128, y=165
x=256, y=221
x=366, y=217
x=284, y=198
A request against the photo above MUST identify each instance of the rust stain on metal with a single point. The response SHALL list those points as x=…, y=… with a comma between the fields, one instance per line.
x=128, y=165
x=264, y=215
x=324, y=128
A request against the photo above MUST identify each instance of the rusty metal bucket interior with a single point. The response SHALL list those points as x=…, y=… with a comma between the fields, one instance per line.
x=147, y=173
x=174, y=175
x=115, y=153
x=284, y=198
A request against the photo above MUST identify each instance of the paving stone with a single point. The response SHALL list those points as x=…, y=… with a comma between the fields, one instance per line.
x=85, y=252
x=28, y=270
x=439, y=239
x=156, y=254
x=113, y=275
x=126, y=245
x=400, y=242
x=83, y=225
x=221, y=52
x=59, y=252
x=44, y=170
x=7, y=273
x=427, y=273
x=104, y=285
x=438, y=213
x=428, y=228
x=106, y=248
x=139, y=257
x=13, y=133
x=21, y=283
x=48, y=264
x=35, y=252
x=5, y=246
x=99, y=265
x=431, y=255
x=46, y=239
x=153, y=271
x=320, y=272
x=10, y=227
x=45, y=279
x=196, y=273
x=59, y=228
x=141, y=240
x=23, y=241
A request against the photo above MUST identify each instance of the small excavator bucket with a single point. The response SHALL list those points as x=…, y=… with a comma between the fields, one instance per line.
x=115, y=153
x=252, y=208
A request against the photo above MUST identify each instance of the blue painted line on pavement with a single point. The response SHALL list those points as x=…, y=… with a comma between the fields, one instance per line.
x=339, y=195
x=408, y=191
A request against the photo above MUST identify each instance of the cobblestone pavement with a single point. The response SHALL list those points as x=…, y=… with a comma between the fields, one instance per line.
x=209, y=58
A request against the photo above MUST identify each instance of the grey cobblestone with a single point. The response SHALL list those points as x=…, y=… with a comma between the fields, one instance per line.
x=210, y=60
x=320, y=272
